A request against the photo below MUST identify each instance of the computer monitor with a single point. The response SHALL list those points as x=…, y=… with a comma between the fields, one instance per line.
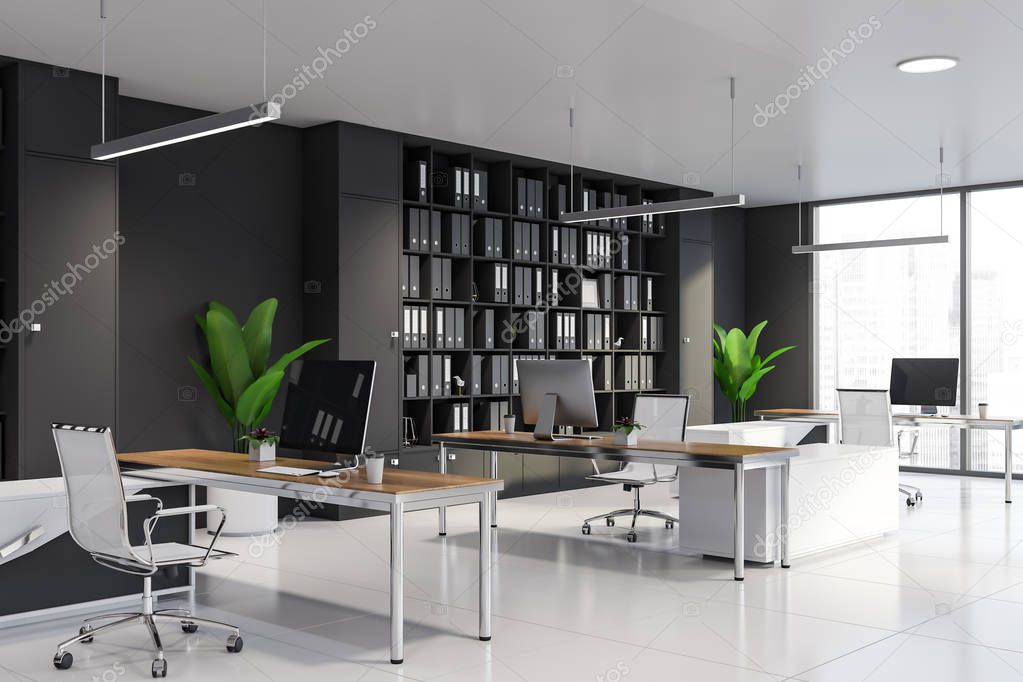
x=927, y=382
x=327, y=406
x=557, y=393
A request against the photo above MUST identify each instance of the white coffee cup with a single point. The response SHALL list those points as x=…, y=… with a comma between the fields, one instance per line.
x=982, y=410
x=509, y=424
x=375, y=470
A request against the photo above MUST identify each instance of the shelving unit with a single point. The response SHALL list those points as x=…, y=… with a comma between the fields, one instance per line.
x=652, y=255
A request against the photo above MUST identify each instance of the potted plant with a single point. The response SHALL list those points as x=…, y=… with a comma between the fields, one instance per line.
x=243, y=384
x=737, y=366
x=262, y=444
x=626, y=430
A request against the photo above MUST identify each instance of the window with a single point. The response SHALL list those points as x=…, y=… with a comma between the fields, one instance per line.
x=875, y=304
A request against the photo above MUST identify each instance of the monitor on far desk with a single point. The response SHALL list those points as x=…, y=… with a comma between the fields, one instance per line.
x=557, y=393
x=927, y=382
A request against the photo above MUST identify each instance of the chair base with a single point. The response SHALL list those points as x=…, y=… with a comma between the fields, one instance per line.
x=62, y=659
x=913, y=494
x=635, y=513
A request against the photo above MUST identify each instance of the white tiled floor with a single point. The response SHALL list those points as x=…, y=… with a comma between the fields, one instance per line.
x=942, y=599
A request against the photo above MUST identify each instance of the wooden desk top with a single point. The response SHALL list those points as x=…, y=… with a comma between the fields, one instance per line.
x=521, y=440
x=396, y=482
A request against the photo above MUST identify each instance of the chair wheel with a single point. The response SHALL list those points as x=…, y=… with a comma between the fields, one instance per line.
x=159, y=667
x=189, y=627
x=669, y=524
x=919, y=496
x=234, y=644
x=586, y=529
x=631, y=537
x=910, y=502
x=63, y=661
x=82, y=630
x=609, y=522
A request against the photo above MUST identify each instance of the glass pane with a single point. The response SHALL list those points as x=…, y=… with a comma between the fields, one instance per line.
x=996, y=325
x=873, y=305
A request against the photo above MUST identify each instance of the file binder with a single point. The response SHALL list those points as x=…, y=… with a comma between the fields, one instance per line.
x=559, y=331
x=447, y=375
x=412, y=230
x=445, y=278
x=498, y=238
x=555, y=252
x=438, y=328
x=423, y=376
x=449, y=327
x=435, y=226
x=407, y=327
x=415, y=180
x=520, y=195
x=459, y=327
x=480, y=190
x=623, y=252
x=404, y=276
x=413, y=276
x=649, y=293
x=477, y=374
x=437, y=375
x=424, y=333
x=607, y=332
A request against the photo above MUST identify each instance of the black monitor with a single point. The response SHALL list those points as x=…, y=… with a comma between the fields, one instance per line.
x=928, y=382
x=327, y=406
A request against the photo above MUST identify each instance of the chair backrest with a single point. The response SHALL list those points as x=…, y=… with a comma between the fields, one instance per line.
x=664, y=418
x=97, y=513
x=864, y=417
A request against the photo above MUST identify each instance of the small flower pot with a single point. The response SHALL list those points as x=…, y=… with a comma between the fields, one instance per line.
x=375, y=470
x=621, y=438
x=263, y=452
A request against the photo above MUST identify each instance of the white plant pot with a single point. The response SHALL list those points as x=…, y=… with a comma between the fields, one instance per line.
x=264, y=452
x=375, y=470
x=622, y=439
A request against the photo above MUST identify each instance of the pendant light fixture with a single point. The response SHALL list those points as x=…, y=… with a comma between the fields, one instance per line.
x=940, y=238
x=679, y=206
x=180, y=132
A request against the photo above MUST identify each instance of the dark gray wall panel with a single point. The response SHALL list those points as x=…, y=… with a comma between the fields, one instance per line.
x=729, y=239
x=232, y=235
x=62, y=109
x=778, y=290
x=370, y=162
x=696, y=286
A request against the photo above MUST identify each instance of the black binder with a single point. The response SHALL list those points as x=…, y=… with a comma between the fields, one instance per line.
x=434, y=231
x=520, y=196
x=437, y=375
x=424, y=230
x=498, y=238
x=412, y=229
x=477, y=374
x=436, y=278
x=438, y=327
x=459, y=327
x=413, y=276
x=479, y=190
x=534, y=242
x=445, y=278
x=415, y=180
x=424, y=376
x=449, y=327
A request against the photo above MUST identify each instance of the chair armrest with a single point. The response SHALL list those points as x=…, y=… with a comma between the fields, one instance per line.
x=197, y=509
x=142, y=497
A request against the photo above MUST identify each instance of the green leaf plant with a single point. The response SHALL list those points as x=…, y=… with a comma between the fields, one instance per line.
x=737, y=366
x=240, y=379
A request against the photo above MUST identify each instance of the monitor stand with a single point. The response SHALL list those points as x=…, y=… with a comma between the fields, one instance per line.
x=928, y=409
x=545, y=421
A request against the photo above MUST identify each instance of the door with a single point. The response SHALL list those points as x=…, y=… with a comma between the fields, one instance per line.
x=696, y=321
x=68, y=280
x=369, y=249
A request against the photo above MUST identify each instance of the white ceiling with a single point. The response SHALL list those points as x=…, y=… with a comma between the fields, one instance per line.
x=650, y=81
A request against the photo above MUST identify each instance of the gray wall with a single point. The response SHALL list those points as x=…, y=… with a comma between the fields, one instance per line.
x=729, y=240
x=234, y=236
x=778, y=290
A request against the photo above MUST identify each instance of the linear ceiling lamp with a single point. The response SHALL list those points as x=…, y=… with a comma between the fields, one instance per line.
x=252, y=115
x=677, y=206
x=940, y=238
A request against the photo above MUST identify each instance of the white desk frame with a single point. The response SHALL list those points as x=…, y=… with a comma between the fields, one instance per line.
x=1004, y=424
x=394, y=504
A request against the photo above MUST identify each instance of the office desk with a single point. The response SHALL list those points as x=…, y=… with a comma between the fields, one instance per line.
x=962, y=421
x=738, y=458
x=401, y=491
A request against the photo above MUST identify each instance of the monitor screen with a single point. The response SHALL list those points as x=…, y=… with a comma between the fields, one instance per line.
x=924, y=381
x=327, y=406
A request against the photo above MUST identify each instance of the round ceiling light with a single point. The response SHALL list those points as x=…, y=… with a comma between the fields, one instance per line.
x=927, y=64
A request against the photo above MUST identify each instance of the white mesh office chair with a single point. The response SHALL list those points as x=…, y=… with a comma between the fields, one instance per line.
x=664, y=418
x=865, y=418
x=98, y=520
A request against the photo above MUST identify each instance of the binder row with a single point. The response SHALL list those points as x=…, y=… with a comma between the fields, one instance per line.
x=479, y=190
x=603, y=379
x=495, y=412
x=493, y=285
x=563, y=245
x=598, y=331
x=415, y=332
x=515, y=369
x=417, y=376
x=440, y=278
x=564, y=331
x=526, y=241
x=456, y=418
x=490, y=374
x=483, y=330
x=410, y=276
x=650, y=223
x=449, y=327
x=651, y=333
x=440, y=374
x=422, y=230
x=490, y=238
x=528, y=286
x=529, y=199
x=529, y=330
x=455, y=239
x=617, y=201
x=598, y=249
x=457, y=190
x=636, y=373
x=627, y=292
x=605, y=290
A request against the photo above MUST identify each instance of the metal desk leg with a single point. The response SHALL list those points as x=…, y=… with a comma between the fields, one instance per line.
x=442, y=511
x=397, y=582
x=1008, y=464
x=485, y=564
x=783, y=524
x=740, y=530
x=493, y=495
